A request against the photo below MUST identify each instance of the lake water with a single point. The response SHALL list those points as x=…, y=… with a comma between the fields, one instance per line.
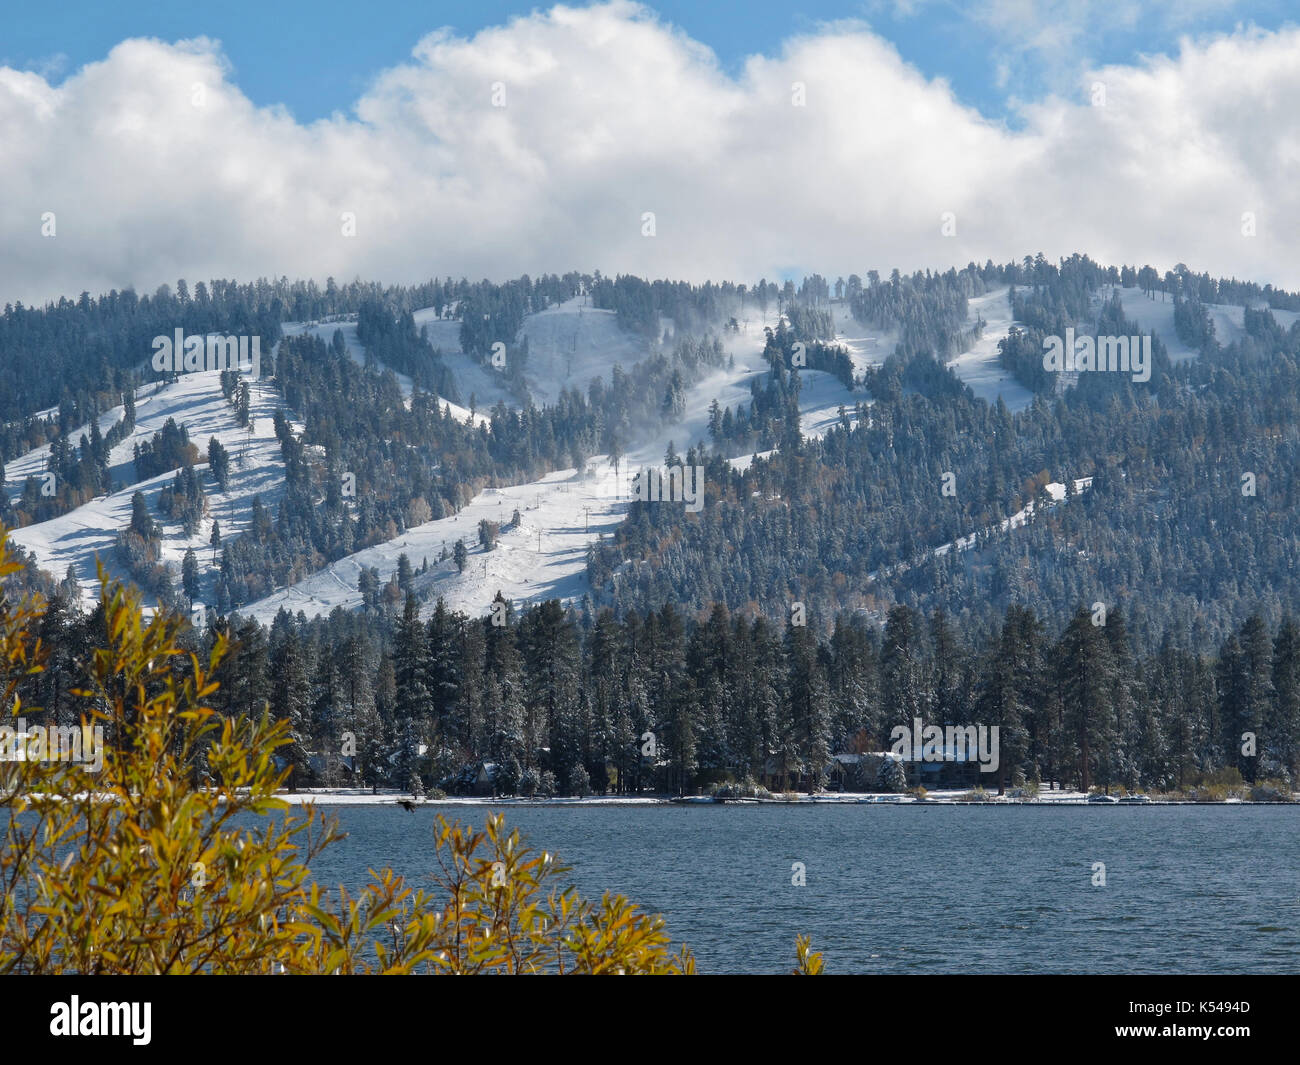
x=899, y=889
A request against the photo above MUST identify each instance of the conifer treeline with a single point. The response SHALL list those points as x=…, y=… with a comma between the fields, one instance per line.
x=568, y=700
x=1171, y=523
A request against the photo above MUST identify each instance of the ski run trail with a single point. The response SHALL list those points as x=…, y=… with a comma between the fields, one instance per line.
x=544, y=555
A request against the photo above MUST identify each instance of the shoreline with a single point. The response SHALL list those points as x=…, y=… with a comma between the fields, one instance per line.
x=364, y=797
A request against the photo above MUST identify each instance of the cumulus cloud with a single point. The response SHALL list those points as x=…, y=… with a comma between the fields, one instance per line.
x=832, y=154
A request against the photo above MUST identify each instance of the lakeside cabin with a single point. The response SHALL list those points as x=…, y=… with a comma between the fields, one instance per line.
x=958, y=769
x=485, y=780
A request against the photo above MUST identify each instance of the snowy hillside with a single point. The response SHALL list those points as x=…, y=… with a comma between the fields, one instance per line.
x=1055, y=491
x=978, y=367
x=195, y=401
x=544, y=555
x=867, y=346
x=570, y=344
x=326, y=331
x=567, y=508
x=1157, y=316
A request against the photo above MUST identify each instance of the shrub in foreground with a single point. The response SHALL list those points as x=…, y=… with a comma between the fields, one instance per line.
x=137, y=866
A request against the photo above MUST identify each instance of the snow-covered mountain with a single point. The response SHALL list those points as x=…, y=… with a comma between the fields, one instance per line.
x=195, y=401
x=544, y=556
x=560, y=515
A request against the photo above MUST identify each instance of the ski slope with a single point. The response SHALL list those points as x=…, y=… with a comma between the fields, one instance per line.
x=1157, y=316
x=978, y=367
x=543, y=557
x=867, y=346
x=90, y=531
x=570, y=344
x=1055, y=489
x=474, y=381
x=357, y=351
x=562, y=514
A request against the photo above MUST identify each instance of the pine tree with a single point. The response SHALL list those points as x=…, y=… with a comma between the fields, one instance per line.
x=1246, y=668
x=1282, y=731
x=1123, y=763
x=190, y=575
x=998, y=701
x=358, y=713
x=902, y=687
x=809, y=701
x=503, y=694
x=410, y=673
x=141, y=523
x=891, y=776
x=290, y=691
x=219, y=463
x=707, y=655
x=444, y=674
x=553, y=710
x=1083, y=678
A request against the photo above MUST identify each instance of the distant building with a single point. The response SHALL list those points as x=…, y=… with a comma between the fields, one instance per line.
x=855, y=772
x=953, y=768
x=485, y=779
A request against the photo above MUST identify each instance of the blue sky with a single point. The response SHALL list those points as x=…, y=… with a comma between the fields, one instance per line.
x=318, y=56
x=309, y=141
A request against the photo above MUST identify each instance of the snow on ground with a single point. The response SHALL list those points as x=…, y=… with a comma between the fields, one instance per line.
x=545, y=556
x=194, y=400
x=522, y=566
x=743, y=462
x=570, y=344
x=569, y=510
x=1055, y=489
x=392, y=797
x=35, y=462
x=542, y=557
x=1157, y=316
x=357, y=350
x=821, y=397
x=326, y=330
x=978, y=367
x=474, y=381
x=867, y=345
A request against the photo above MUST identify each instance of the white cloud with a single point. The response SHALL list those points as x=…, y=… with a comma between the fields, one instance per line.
x=611, y=113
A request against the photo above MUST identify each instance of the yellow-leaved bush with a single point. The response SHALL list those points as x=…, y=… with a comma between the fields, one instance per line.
x=140, y=867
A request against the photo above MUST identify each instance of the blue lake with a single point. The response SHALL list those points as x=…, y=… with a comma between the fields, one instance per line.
x=906, y=889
